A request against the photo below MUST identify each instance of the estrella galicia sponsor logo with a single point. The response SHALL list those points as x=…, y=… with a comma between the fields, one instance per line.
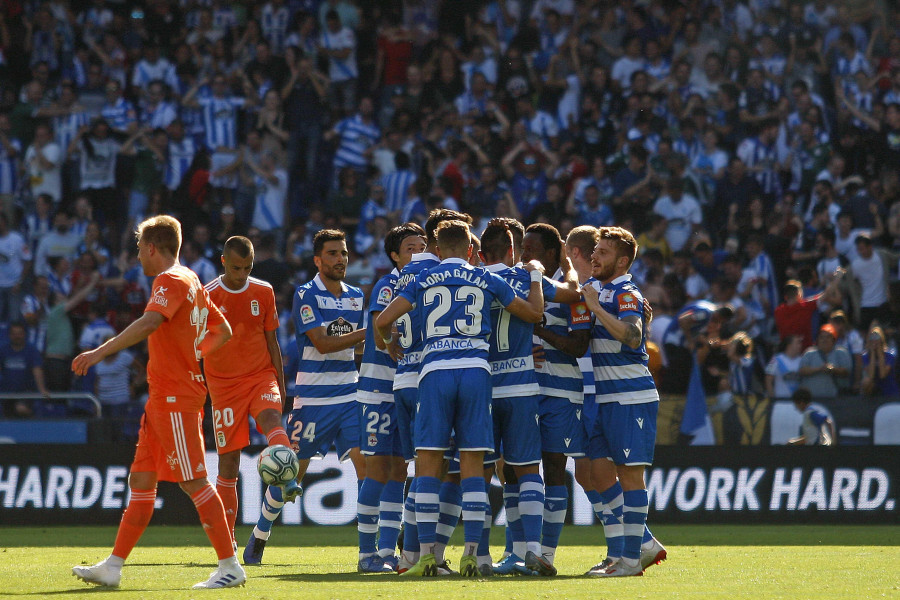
x=339, y=326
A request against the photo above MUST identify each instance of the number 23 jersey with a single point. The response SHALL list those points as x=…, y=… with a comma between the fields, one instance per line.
x=173, y=372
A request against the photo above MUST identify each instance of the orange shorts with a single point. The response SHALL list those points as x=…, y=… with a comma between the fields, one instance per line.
x=171, y=444
x=233, y=405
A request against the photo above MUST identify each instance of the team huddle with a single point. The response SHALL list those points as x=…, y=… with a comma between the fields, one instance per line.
x=501, y=359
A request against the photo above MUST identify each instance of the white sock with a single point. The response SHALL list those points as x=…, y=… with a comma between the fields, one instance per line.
x=229, y=563
x=533, y=547
x=363, y=555
x=411, y=557
x=261, y=535
x=483, y=560
x=519, y=549
x=113, y=561
x=439, y=552
x=385, y=552
x=548, y=553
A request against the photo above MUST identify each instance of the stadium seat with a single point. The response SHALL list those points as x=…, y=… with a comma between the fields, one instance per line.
x=887, y=424
x=786, y=421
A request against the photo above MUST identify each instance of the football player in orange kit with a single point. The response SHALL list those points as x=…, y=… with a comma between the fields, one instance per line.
x=247, y=377
x=183, y=326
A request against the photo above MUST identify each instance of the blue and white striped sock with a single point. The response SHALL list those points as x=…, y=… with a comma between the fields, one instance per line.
x=634, y=517
x=484, y=544
x=390, y=514
x=367, y=515
x=271, y=508
x=515, y=534
x=428, y=508
x=613, y=525
x=531, y=510
x=556, y=504
x=474, y=502
x=410, y=525
x=451, y=506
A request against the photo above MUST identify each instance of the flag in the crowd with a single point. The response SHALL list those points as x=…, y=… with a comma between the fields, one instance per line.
x=696, y=422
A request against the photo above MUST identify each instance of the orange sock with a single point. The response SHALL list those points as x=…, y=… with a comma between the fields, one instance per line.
x=212, y=517
x=227, y=490
x=134, y=521
x=278, y=436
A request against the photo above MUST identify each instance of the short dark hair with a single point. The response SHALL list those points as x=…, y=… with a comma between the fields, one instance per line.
x=496, y=240
x=240, y=245
x=625, y=243
x=327, y=235
x=453, y=234
x=438, y=216
x=801, y=396
x=550, y=238
x=395, y=237
x=516, y=228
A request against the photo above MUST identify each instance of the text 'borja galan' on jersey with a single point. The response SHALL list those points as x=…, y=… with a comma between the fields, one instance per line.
x=376, y=373
x=510, y=352
x=409, y=327
x=326, y=378
x=173, y=371
x=454, y=304
x=559, y=375
x=620, y=372
x=251, y=312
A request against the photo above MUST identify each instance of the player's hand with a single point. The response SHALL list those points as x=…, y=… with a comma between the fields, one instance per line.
x=85, y=361
x=537, y=353
x=395, y=350
x=534, y=265
x=591, y=297
x=648, y=311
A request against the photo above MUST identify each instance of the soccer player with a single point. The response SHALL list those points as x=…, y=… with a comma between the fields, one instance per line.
x=183, y=327
x=454, y=300
x=246, y=378
x=515, y=394
x=564, y=335
x=328, y=320
x=410, y=342
x=625, y=432
x=380, y=502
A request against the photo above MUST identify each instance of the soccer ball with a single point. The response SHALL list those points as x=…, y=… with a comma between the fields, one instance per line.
x=277, y=465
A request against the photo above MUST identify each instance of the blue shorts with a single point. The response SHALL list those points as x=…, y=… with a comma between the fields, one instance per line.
x=378, y=430
x=589, y=411
x=561, y=428
x=460, y=400
x=625, y=433
x=313, y=429
x=517, y=433
x=405, y=411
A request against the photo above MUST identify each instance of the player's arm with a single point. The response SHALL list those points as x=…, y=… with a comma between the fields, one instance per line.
x=218, y=330
x=627, y=330
x=574, y=343
x=275, y=353
x=326, y=344
x=138, y=331
x=531, y=310
x=566, y=293
x=384, y=321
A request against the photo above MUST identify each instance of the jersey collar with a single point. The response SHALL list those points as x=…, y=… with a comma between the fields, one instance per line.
x=231, y=291
x=424, y=256
x=621, y=279
x=496, y=268
x=395, y=272
x=321, y=285
x=455, y=261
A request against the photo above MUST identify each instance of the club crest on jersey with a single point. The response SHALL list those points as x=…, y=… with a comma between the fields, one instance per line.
x=373, y=439
x=254, y=308
x=627, y=302
x=220, y=439
x=384, y=296
x=580, y=313
x=306, y=314
x=339, y=326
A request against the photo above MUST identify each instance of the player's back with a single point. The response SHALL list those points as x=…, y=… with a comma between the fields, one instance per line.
x=454, y=301
x=251, y=312
x=331, y=378
x=620, y=372
x=560, y=375
x=173, y=371
x=409, y=326
x=510, y=352
x=376, y=373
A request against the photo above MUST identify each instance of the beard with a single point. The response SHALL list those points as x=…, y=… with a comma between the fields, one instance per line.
x=603, y=272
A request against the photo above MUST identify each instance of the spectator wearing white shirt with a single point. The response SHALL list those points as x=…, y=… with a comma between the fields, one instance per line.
x=338, y=44
x=682, y=211
x=271, y=193
x=152, y=67
x=627, y=65
x=783, y=371
x=871, y=269
x=98, y=153
x=43, y=163
x=14, y=256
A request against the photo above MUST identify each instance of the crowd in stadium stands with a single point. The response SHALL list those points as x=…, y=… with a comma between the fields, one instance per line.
x=753, y=146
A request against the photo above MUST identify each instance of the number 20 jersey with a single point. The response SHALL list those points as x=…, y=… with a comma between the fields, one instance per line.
x=454, y=300
x=173, y=372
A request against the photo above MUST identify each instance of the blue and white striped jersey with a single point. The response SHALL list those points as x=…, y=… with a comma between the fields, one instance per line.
x=119, y=115
x=512, y=363
x=396, y=189
x=356, y=138
x=756, y=154
x=454, y=301
x=325, y=379
x=159, y=116
x=220, y=120
x=66, y=128
x=275, y=22
x=8, y=168
x=559, y=376
x=409, y=326
x=181, y=154
x=376, y=374
x=145, y=72
x=620, y=372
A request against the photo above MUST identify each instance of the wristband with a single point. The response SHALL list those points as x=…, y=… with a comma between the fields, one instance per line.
x=536, y=276
x=387, y=340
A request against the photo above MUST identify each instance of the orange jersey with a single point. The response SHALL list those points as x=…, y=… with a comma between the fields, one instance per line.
x=173, y=372
x=251, y=313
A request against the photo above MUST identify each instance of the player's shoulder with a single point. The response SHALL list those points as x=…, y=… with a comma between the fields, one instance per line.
x=253, y=282
x=305, y=289
x=353, y=291
x=214, y=284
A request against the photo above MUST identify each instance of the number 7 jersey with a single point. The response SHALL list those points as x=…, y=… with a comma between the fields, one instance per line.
x=173, y=372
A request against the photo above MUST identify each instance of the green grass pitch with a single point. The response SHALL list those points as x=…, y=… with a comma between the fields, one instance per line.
x=728, y=562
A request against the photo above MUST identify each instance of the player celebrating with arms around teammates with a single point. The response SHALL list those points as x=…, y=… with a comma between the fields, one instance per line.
x=381, y=492
x=183, y=327
x=454, y=300
x=247, y=377
x=624, y=434
x=328, y=321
